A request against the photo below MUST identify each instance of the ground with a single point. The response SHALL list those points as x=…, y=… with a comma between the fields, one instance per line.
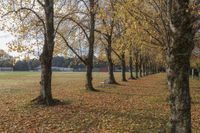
x=136, y=106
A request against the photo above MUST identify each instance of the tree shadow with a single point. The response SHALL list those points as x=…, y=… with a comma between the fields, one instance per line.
x=56, y=102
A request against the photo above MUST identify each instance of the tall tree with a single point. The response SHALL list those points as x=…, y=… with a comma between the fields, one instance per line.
x=90, y=58
x=131, y=62
x=106, y=28
x=35, y=16
x=172, y=25
x=178, y=58
x=47, y=53
x=85, y=10
x=120, y=46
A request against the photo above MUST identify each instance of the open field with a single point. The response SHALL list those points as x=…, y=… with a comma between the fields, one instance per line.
x=136, y=106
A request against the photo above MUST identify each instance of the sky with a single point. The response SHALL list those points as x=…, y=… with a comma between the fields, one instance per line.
x=6, y=37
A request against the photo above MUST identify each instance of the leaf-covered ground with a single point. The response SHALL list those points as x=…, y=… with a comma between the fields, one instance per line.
x=136, y=106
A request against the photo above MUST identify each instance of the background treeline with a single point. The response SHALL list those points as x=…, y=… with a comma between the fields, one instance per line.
x=58, y=61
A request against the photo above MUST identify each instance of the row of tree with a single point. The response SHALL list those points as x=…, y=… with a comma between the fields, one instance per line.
x=150, y=34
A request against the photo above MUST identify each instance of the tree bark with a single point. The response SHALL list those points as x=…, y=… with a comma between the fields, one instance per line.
x=144, y=69
x=136, y=67
x=47, y=55
x=180, y=101
x=178, y=59
x=192, y=73
x=89, y=85
x=131, y=64
x=150, y=68
x=147, y=69
x=89, y=61
x=140, y=65
x=199, y=75
x=123, y=64
x=111, y=79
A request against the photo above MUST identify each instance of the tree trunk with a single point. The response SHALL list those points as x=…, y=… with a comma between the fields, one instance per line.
x=123, y=64
x=157, y=69
x=140, y=65
x=199, y=75
x=46, y=56
x=153, y=68
x=178, y=59
x=150, y=68
x=192, y=73
x=131, y=64
x=111, y=79
x=45, y=83
x=89, y=61
x=144, y=69
x=89, y=85
x=178, y=84
x=136, y=67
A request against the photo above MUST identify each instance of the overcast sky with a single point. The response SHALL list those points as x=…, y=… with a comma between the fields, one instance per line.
x=6, y=37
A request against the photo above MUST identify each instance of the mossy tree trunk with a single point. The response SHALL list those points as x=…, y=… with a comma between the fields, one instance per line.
x=47, y=55
x=178, y=59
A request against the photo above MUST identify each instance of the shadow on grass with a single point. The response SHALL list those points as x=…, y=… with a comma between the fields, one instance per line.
x=56, y=102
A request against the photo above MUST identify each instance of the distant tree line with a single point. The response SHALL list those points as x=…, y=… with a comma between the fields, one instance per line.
x=6, y=63
x=58, y=61
x=21, y=65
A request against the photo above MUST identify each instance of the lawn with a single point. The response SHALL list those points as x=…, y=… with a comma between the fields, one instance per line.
x=138, y=106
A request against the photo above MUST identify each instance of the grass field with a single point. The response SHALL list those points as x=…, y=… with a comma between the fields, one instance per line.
x=136, y=106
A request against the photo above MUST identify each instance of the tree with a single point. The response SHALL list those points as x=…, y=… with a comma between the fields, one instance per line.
x=21, y=66
x=105, y=27
x=178, y=58
x=91, y=40
x=47, y=54
x=172, y=25
x=133, y=26
x=119, y=49
x=136, y=52
x=6, y=63
x=5, y=59
x=33, y=63
x=44, y=22
x=131, y=62
x=86, y=30
x=58, y=61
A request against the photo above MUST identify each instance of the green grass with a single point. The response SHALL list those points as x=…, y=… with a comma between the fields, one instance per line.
x=136, y=106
